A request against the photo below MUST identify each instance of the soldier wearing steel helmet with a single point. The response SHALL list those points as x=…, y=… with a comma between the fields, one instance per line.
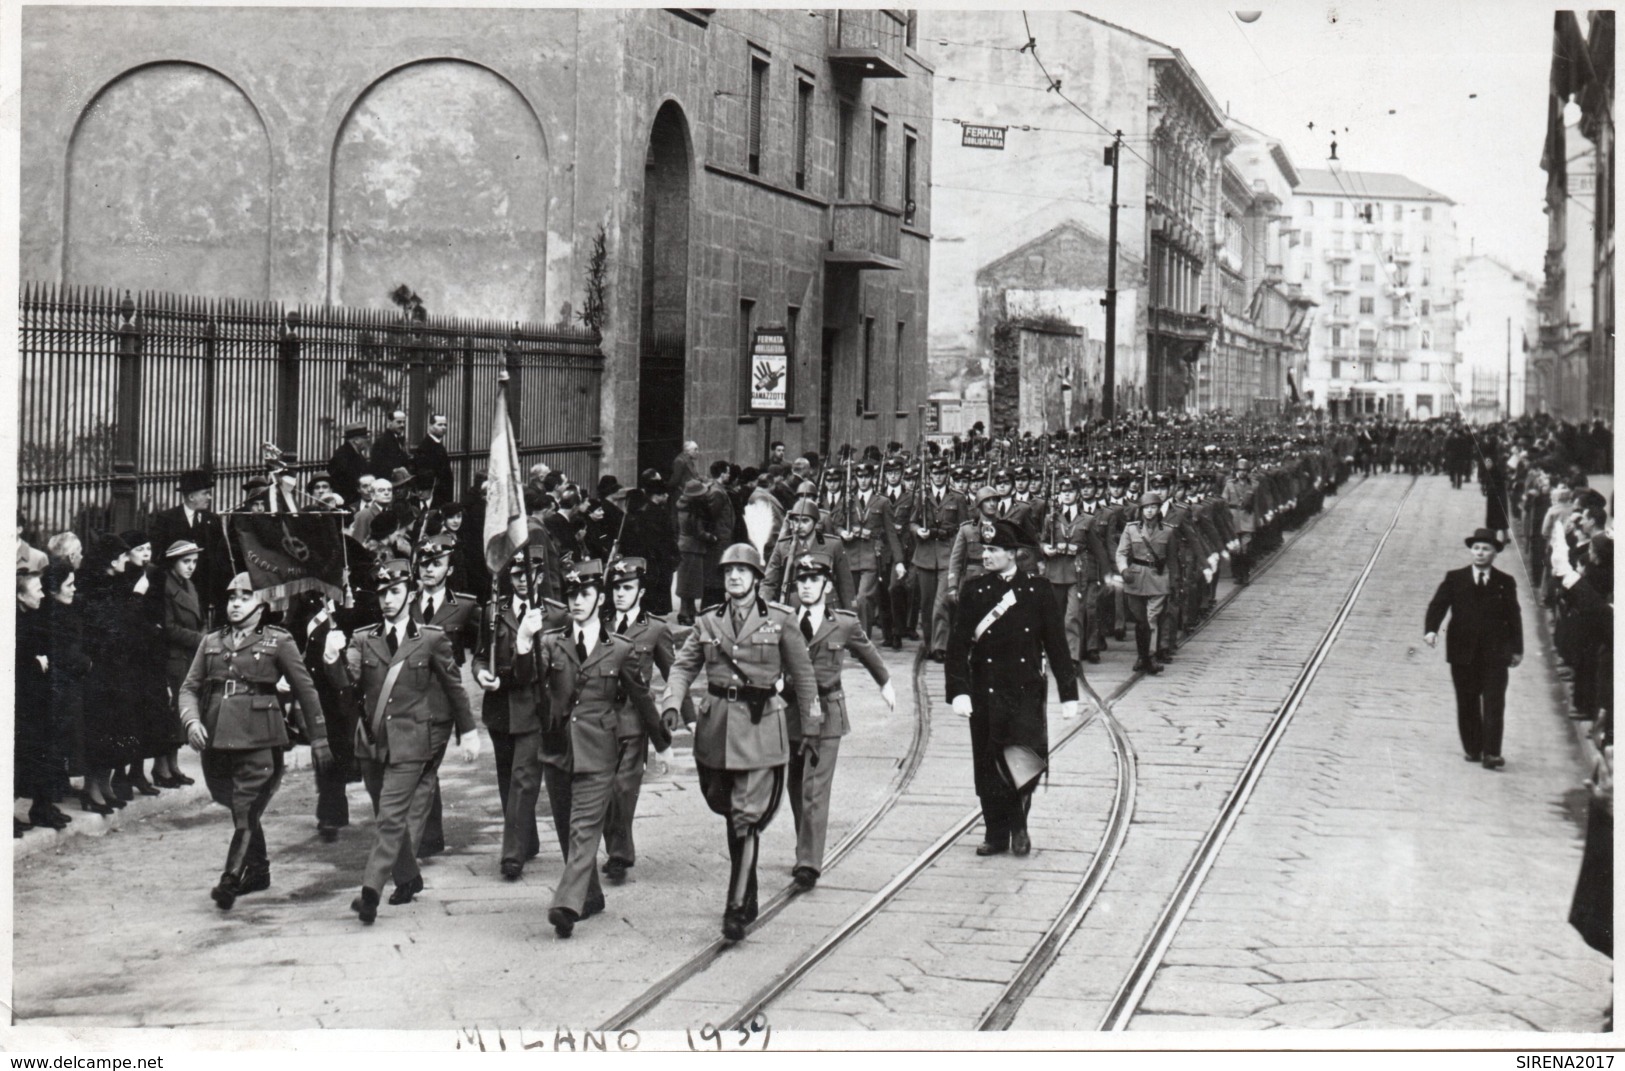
x=801, y=535
x=747, y=646
x=229, y=705
x=1143, y=554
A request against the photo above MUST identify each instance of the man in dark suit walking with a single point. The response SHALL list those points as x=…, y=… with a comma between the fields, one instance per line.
x=1484, y=641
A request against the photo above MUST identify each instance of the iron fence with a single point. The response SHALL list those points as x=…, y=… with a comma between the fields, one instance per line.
x=119, y=396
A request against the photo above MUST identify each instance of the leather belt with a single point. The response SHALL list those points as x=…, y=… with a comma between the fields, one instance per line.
x=232, y=686
x=736, y=692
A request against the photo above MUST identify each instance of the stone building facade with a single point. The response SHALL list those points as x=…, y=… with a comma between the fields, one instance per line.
x=1378, y=251
x=1497, y=324
x=743, y=169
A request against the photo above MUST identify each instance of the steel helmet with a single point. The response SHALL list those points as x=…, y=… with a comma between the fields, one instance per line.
x=743, y=554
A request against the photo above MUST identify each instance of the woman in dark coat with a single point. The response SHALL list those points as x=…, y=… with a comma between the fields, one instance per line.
x=648, y=535
x=112, y=615
x=183, y=633
x=36, y=755
x=152, y=713
x=69, y=666
x=694, y=541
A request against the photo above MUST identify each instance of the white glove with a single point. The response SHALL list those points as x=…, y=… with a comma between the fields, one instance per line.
x=532, y=623
x=1225, y=554
x=1115, y=580
x=962, y=706
x=283, y=687
x=470, y=745
x=1069, y=709
x=487, y=680
x=334, y=647
x=1207, y=575
x=899, y=570
x=889, y=694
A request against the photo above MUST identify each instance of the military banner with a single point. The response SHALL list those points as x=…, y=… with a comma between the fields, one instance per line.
x=287, y=553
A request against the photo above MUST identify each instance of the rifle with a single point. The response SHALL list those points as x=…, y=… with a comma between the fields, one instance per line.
x=846, y=493
x=615, y=547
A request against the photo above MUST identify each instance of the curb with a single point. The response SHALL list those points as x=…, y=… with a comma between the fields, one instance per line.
x=38, y=840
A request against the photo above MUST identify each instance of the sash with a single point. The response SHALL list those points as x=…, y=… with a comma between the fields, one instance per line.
x=998, y=611
x=383, y=700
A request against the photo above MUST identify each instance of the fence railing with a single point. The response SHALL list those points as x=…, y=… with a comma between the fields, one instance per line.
x=119, y=396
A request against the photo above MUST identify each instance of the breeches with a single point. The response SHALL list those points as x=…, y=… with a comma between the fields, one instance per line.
x=244, y=782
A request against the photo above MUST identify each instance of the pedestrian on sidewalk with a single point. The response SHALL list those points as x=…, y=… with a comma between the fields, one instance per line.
x=1485, y=639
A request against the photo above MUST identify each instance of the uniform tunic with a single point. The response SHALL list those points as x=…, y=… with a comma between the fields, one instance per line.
x=1003, y=673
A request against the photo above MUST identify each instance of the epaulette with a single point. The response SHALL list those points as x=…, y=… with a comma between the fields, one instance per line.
x=431, y=628
x=655, y=617
x=617, y=637
x=554, y=603
x=558, y=630
x=782, y=606
x=276, y=631
x=455, y=595
x=368, y=630
x=839, y=612
x=720, y=608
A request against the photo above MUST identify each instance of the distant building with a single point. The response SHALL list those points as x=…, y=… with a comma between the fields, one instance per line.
x=1378, y=252
x=1498, y=323
x=1019, y=269
x=745, y=169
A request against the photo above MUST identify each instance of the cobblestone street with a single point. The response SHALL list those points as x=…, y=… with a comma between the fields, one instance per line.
x=1373, y=879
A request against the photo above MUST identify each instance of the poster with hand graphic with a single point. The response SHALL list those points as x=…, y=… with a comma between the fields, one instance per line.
x=770, y=371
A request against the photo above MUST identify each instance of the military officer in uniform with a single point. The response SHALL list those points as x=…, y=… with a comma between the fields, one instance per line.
x=1008, y=625
x=864, y=525
x=394, y=666
x=652, y=646
x=1061, y=544
x=936, y=514
x=587, y=672
x=229, y=705
x=1240, y=494
x=1142, y=563
x=513, y=705
x=965, y=559
x=746, y=645
x=801, y=536
x=434, y=603
x=830, y=635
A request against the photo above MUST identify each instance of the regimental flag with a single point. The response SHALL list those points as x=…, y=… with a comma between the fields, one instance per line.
x=287, y=553
x=505, y=527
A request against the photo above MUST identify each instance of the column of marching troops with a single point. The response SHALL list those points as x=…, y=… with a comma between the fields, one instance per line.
x=1125, y=526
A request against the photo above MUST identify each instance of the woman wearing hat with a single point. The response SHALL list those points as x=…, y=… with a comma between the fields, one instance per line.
x=694, y=540
x=1485, y=639
x=37, y=754
x=146, y=693
x=184, y=627
x=111, y=616
x=648, y=535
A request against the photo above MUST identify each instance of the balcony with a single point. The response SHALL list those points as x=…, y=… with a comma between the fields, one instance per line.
x=1334, y=256
x=1399, y=256
x=1403, y=319
x=1340, y=286
x=867, y=42
x=1193, y=326
x=865, y=235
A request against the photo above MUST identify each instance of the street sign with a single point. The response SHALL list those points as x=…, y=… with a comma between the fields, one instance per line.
x=982, y=137
x=769, y=372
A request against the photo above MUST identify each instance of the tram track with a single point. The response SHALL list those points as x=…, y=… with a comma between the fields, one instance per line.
x=1138, y=979
x=1044, y=953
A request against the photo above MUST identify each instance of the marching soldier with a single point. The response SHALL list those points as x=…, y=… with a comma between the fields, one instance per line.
x=965, y=560
x=588, y=672
x=900, y=586
x=870, y=542
x=1240, y=494
x=1062, y=556
x=829, y=634
x=803, y=537
x=514, y=705
x=1142, y=563
x=435, y=603
x=740, y=747
x=229, y=705
x=1008, y=625
x=653, y=649
x=395, y=665
x=935, y=516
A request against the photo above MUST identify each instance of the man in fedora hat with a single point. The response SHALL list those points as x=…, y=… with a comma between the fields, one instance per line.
x=350, y=462
x=1008, y=623
x=193, y=521
x=1484, y=640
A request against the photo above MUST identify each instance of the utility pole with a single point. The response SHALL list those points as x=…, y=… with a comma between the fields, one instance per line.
x=1108, y=401
x=1509, y=368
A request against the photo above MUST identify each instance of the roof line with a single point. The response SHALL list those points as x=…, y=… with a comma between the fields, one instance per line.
x=1124, y=29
